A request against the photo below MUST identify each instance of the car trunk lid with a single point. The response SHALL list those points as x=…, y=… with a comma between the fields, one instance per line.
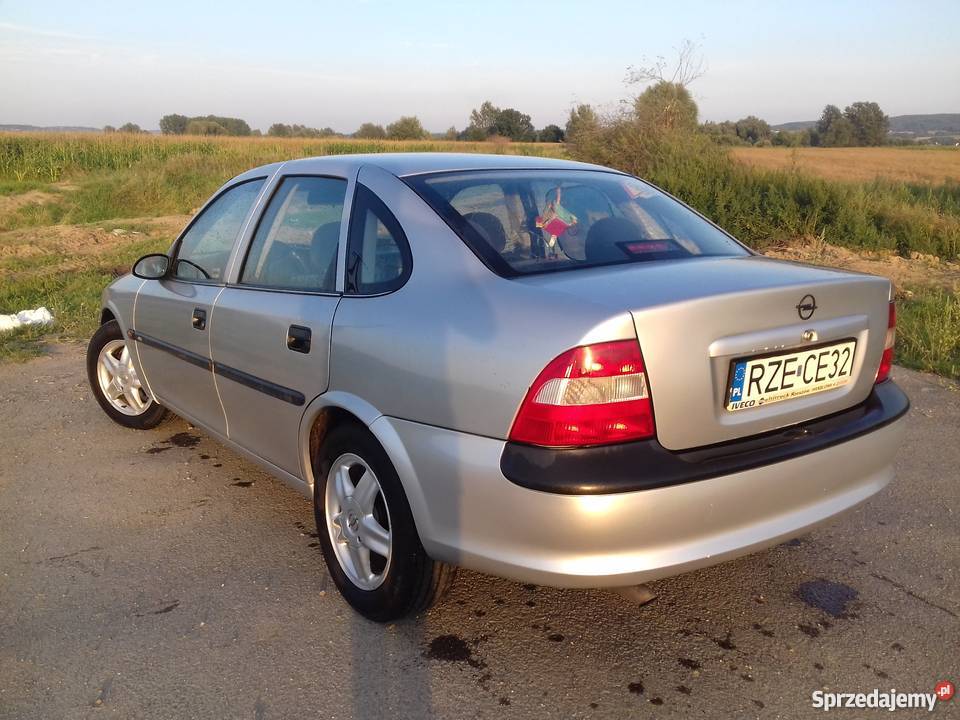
x=694, y=318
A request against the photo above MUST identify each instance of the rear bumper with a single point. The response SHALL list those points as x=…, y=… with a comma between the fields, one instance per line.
x=468, y=513
x=614, y=468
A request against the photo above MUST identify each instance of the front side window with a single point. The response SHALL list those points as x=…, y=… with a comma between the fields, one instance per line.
x=379, y=257
x=295, y=246
x=205, y=248
x=523, y=221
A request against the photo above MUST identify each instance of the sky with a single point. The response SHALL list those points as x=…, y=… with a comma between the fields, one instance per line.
x=340, y=64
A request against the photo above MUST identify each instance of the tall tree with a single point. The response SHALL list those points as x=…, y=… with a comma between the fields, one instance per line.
x=583, y=121
x=514, y=125
x=753, y=129
x=834, y=129
x=870, y=125
x=830, y=116
x=406, y=128
x=667, y=105
x=483, y=120
x=551, y=133
x=174, y=124
x=370, y=131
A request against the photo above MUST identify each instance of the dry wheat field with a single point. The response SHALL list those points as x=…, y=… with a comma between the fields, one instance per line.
x=933, y=165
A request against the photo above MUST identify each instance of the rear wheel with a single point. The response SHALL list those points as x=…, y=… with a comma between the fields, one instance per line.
x=115, y=382
x=366, y=529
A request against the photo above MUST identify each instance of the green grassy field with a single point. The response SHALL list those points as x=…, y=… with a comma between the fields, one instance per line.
x=77, y=210
x=90, y=177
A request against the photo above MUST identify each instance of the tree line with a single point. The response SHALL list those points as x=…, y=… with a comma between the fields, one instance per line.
x=485, y=123
x=860, y=124
x=664, y=104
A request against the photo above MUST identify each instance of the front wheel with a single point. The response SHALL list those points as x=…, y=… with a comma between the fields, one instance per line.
x=115, y=382
x=367, y=532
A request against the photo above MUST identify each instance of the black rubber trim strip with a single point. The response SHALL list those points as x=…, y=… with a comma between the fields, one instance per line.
x=280, y=392
x=646, y=464
x=272, y=389
x=175, y=350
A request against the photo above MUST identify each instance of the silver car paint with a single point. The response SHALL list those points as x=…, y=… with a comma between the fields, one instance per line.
x=468, y=367
x=248, y=331
x=469, y=514
x=164, y=310
x=440, y=389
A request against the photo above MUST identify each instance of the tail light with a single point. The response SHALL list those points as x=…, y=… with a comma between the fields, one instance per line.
x=886, y=360
x=590, y=395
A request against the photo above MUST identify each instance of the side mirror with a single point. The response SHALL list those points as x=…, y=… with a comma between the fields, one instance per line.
x=152, y=267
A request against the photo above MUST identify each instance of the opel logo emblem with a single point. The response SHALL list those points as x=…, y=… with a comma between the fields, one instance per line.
x=806, y=307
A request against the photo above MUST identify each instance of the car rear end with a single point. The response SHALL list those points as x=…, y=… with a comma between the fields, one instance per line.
x=753, y=403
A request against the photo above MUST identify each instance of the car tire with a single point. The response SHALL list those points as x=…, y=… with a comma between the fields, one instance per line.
x=404, y=582
x=131, y=406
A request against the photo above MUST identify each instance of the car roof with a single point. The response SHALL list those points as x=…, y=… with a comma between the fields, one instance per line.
x=406, y=164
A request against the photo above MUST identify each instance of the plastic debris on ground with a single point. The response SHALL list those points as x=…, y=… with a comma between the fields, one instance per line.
x=39, y=316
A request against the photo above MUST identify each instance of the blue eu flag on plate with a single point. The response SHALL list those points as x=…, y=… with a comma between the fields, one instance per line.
x=739, y=375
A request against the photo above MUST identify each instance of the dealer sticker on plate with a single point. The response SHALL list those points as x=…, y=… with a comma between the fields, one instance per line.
x=771, y=378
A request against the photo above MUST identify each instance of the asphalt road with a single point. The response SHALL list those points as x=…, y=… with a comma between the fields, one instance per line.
x=158, y=575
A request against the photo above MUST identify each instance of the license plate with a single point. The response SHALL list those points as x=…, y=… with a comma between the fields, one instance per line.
x=771, y=378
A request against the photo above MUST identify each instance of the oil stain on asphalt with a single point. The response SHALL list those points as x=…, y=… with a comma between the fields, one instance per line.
x=180, y=439
x=830, y=597
x=184, y=440
x=452, y=648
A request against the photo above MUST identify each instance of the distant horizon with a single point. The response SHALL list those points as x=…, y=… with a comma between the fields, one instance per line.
x=373, y=61
x=78, y=127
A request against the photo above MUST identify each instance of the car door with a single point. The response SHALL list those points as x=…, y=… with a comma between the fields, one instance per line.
x=172, y=316
x=270, y=332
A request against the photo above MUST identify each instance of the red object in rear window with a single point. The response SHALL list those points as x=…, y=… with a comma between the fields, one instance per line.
x=647, y=246
x=590, y=395
x=886, y=360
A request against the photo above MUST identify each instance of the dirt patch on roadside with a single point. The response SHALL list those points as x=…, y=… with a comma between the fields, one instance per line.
x=56, y=248
x=11, y=203
x=919, y=270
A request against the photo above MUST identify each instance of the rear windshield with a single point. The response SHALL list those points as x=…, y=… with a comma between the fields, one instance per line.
x=527, y=221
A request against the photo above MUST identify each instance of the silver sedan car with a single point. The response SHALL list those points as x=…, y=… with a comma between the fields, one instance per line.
x=545, y=370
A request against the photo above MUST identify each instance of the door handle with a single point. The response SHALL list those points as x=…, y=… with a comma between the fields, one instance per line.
x=298, y=338
x=199, y=319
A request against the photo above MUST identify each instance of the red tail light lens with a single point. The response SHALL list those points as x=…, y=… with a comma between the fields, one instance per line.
x=590, y=395
x=886, y=360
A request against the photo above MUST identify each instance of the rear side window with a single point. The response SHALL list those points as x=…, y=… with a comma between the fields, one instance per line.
x=379, y=258
x=524, y=221
x=295, y=246
x=205, y=247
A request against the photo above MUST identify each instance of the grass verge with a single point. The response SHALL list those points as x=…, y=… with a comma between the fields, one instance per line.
x=73, y=297
x=928, y=332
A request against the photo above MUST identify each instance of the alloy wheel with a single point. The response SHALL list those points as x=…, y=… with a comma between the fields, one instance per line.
x=358, y=521
x=119, y=381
